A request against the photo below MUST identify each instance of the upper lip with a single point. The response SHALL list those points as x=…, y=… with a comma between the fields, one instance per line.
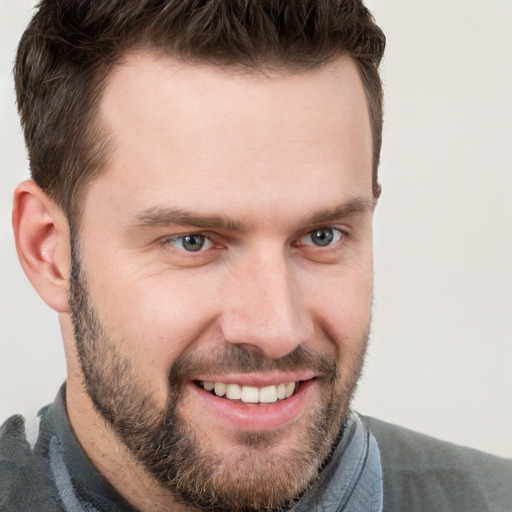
x=259, y=380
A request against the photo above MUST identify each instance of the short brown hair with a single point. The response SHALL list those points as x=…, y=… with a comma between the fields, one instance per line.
x=70, y=47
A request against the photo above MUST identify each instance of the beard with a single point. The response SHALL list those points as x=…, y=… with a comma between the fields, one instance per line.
x=177, y=454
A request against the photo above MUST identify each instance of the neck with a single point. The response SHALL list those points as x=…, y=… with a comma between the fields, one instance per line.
x=111, y=458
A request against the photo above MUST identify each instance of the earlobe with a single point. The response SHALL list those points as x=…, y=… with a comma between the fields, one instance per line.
x=42, y=242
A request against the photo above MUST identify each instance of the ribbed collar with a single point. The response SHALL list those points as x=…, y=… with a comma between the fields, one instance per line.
x=80, y=485
x=352, y=480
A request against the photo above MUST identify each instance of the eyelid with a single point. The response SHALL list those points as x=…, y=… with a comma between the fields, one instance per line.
x=339, y=234
x=174, y=240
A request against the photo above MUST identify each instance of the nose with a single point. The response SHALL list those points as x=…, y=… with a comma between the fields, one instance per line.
x=266, y=311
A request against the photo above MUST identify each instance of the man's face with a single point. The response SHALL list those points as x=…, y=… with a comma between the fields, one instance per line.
x=228, y=244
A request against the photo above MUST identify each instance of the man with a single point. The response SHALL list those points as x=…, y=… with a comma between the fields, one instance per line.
x=205, y=175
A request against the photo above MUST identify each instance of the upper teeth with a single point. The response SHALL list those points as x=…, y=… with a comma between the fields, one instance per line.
x=251, y=394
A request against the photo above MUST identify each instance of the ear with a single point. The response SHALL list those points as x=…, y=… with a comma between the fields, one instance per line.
x=42, y=241
x=377, y=191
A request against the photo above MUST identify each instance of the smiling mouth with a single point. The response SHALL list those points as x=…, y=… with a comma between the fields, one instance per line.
x=250, y=394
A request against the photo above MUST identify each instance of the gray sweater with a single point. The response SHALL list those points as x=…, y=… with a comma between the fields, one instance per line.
x=422, y=474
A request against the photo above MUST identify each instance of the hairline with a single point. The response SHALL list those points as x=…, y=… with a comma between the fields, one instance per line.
x=100, y=137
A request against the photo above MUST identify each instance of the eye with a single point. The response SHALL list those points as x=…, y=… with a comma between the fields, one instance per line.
x=322, y=237
x=191, y=243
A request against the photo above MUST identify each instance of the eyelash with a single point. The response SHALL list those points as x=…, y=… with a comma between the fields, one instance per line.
x=339, y=236
x=180, y=238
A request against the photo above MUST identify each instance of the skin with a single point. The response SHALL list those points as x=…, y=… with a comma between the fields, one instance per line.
x=278, y=155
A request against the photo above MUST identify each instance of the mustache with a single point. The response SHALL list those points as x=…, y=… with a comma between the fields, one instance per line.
x=229, y=358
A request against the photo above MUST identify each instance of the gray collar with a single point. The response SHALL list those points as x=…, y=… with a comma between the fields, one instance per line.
x=352, y=480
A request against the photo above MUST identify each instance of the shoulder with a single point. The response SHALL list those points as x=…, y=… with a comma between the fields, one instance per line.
x=24, y=479
x=421, y=473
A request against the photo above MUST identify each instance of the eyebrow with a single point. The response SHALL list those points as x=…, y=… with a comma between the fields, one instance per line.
x=355, y=206
x=163, y=216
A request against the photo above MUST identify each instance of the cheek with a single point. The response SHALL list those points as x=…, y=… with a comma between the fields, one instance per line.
x=355, y=300
x=153, y=320
x=341, y=301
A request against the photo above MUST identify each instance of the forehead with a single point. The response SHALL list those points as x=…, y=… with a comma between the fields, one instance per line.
x=209, y=133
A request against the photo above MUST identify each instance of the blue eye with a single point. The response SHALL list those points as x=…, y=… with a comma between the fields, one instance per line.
x=192, y=242
x=322, y=237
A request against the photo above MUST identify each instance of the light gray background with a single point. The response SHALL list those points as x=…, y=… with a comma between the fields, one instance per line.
x=441, y=355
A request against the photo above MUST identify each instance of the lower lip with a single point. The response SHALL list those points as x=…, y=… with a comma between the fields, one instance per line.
x=256, y=417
